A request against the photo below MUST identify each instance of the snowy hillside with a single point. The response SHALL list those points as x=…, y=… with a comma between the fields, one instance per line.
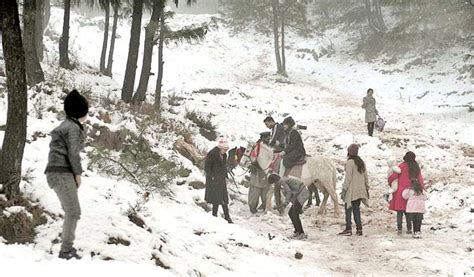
x=425, y=109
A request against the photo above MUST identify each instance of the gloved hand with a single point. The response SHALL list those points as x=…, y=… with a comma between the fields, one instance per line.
x=343, y=195
x=282, y=153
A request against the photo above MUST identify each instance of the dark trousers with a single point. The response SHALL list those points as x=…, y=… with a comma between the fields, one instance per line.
x=225, y=208
x=355, y=209
x=400, y=220
x=277, y=194
x=311, y=189
x=370, y=128
x=416, y=219
x=294, y=214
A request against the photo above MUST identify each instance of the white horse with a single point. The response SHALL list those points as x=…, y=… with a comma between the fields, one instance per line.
x=317, y=170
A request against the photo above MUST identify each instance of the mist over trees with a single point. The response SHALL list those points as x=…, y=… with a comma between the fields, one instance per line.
x=391, y=27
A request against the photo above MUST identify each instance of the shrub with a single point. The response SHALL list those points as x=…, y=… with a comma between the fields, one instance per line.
x=20, y=227
x=206, y=128
x=213, y=91
x=129, y=156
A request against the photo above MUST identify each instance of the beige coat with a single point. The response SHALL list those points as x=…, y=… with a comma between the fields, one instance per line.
x=370, y=111
x=356, y=184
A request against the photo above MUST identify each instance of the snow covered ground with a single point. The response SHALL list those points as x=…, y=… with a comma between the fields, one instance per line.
x=326, y=96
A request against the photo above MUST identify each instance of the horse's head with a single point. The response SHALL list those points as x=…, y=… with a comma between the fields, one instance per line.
x=258, y=152
x=234, y=157
x=246, y=159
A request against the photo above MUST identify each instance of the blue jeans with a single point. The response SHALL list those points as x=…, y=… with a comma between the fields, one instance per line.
x=355, y=209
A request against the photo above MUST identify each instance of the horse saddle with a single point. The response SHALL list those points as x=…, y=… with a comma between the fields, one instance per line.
x=301, y=162
x=295, y=171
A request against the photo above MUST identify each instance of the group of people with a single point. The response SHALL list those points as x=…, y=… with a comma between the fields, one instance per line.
x=407, y=191
x=63, y=174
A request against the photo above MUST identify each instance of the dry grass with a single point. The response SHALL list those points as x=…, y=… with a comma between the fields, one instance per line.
x=19, y=227
x=206, y=128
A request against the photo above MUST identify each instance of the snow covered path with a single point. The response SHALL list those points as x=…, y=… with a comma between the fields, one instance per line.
x=334, y=121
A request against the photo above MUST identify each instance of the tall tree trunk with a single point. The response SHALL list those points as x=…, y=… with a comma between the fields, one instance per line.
x=106, y=37
x=33, y=67
x=150, y=31
x=283, y=57
x=131, y=69
x=39, y=29
x=379, y=16
x=108, y=70
x=276, y=40
x=374, y=16
x=47, y=14
x=11, y=154
x=159, y=79
x=64, y=40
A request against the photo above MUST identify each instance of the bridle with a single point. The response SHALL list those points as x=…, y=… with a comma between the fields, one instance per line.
x=256, y=148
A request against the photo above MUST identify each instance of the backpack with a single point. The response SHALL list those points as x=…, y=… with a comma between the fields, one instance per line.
x=379, y=124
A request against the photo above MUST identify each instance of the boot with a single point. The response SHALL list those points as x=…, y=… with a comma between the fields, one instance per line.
x=347, y=232
x=359, y=232
x=69, y=255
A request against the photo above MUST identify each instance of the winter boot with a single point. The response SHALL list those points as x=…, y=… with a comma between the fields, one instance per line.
x=347, y=232
x=69, y=255
x=359, y=232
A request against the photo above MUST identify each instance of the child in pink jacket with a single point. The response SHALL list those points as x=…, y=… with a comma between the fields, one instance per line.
x=415, y=209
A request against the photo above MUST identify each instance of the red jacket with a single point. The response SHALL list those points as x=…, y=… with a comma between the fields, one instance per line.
x=398, y=203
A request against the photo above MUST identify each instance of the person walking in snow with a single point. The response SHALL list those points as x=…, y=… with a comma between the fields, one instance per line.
x=297, y=193
x=63, y=172
x=355, y=189
x=410, y=173
x=215, y=168
x=371, y=112
x=416, y=198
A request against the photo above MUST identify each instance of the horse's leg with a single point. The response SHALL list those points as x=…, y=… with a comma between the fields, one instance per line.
x=316, y=193
x=323, y=205
x=310, y=198
x=335, y=202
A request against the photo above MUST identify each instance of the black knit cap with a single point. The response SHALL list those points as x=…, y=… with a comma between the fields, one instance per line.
x=409, y=157
x=76, y=105
x=289, y=121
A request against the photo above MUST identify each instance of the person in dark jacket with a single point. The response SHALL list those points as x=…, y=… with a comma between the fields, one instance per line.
x=296, y=193
x=64, y=169
x=216, y=175
x=277, y=138
x=294, y=147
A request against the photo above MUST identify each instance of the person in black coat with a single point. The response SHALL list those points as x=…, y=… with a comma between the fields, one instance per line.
x=216, y=175
x=294, y=147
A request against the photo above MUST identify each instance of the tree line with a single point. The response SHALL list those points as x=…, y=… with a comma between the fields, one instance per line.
x=418, y=23
x=24, y=51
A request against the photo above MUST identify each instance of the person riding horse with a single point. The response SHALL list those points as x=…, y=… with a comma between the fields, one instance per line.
x=294, y=150
x=277, y=138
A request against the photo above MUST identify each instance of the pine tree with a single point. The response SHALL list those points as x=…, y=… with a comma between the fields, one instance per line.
x=11, y=153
